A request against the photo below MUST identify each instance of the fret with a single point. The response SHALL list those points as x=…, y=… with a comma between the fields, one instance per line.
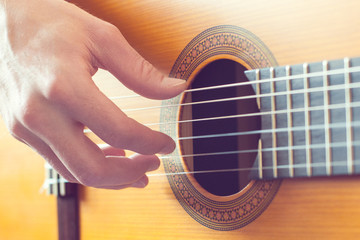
x=348, y=110
x=258, y=92
x=273, y=124
x=298, y=119
x=289, y=123
x=307, y=120
x=328, y=155
x=263, y=166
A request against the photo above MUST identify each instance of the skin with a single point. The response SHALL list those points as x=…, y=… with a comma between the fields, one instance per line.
x=49, y=51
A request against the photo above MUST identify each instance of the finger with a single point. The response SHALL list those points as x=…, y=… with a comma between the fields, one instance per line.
x=111, y=172
x=111, y=151
x=141, y=183
x=106, y=120
x=129, y=172
x=153, y=159
x=116, y=55
x=83, y=158
x=25, y=136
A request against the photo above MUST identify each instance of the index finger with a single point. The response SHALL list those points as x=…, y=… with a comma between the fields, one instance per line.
x=108, y=122
x=115, y=54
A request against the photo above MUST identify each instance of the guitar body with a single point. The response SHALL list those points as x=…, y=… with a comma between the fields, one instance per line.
x=291, y=33
x=295, y=32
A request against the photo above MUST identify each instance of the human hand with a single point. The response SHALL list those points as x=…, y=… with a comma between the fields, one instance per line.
x=49, y=50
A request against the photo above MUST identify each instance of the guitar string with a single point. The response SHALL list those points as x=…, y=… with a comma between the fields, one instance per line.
x=315, y=108
x=295, y=166
x=54, y=180
x=263, y=95
x=270, y=131
x=49, y=181
x=265, y=80
x=270, y=149
x=282, y=111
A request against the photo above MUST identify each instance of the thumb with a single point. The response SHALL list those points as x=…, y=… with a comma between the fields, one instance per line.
x=115, y=54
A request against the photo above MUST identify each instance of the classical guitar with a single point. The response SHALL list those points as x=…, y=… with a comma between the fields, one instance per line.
x=267, y=133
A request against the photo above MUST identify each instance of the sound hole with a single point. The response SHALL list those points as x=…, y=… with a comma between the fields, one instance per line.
x=223, y=162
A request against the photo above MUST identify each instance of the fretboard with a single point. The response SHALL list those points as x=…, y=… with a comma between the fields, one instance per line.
x=310, y=119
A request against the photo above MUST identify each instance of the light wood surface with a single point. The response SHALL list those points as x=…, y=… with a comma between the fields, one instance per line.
x=295, y=32
x=25, y=212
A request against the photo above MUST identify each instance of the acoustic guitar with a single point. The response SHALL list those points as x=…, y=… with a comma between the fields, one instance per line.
x=267, y=133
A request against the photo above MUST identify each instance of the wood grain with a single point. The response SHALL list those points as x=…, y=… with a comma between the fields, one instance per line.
x=25, y=213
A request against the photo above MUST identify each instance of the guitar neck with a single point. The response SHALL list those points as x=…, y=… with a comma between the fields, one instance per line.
x=67, y=204
x=309, y=119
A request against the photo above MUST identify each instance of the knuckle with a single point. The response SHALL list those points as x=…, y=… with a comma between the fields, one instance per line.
x=31, y=116
x=106, y=32
x=112, y=29
x=57, y=91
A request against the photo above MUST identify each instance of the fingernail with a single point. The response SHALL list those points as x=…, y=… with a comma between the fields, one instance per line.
x=174, y=82
x=169, y=148
x=140, y=184
x=154, y=165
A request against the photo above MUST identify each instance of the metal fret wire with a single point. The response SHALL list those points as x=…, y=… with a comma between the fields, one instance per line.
x=258, y=93
x=328, y=156
x=349, y=134
x=273, y=124
x=289, y=123
x=307, y=120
